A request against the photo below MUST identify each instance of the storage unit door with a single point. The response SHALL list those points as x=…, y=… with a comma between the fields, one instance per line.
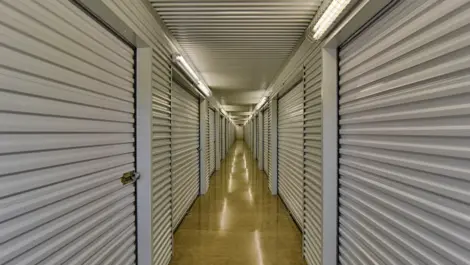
x=161, y=157
x=66, y=138
x=219, y=137
x=260, y=140
x=265, y=140
x=313, y=203
x=184, y=151
x=222, y=137
x=255, y=147
x=290, y=172
x=212, y=140
x=269, y=170
x=404, y=137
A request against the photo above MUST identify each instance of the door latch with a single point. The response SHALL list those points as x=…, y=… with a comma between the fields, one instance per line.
x=129, y=177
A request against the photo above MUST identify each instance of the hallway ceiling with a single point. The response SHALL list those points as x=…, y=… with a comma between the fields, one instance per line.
x=237, y=46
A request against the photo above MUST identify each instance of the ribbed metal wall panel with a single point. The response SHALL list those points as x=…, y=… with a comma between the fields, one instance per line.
x=224, y=136
x=313, y=205
x=208, y=146
x=291, y=145
x=184, y=151
x=265, y=139
x=218, y=137
x=250, y=135
x=66, y=137
x=255, y=137
x=270, y=140
x=211, y=141
x=234, y=39
x=138, y=17
x=161, y=157
x=404, y=137
x=260, y=140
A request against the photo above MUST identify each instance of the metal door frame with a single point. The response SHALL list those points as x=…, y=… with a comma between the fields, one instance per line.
x=354, y=21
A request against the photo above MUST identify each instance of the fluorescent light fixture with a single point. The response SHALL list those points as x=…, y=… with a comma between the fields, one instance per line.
x=331, y=14
x=204, y=89
x=261, y=103
x=224, y=112
x=182, y=62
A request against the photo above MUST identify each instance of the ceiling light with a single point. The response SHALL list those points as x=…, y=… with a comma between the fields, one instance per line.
x=261, y=103
x=182, y=62
x=331, y=14
x=224, y=112
x=204, y=89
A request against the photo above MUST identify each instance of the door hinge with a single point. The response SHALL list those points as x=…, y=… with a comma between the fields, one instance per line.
x=129, y=177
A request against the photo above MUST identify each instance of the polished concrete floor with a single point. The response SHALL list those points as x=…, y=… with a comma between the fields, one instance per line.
x=238, y=221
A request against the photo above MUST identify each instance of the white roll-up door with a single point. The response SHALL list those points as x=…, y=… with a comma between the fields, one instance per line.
x=184, y=149
x=223, y=138
x=260, y=140
x=211, y=141
x=265, y=139
x=405, y=137
x=313, y=214
x=218, y=131
x=291, y=183
x=255, y=136
x=207, y=151
x=269, y=169
x=161, y=156
x=66, y=138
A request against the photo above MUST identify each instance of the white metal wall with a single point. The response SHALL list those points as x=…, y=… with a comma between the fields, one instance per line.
x=313, y=212
x=211, y=141
x=255, y=137
x=291, y=175
x=404, y=137
x=260, y=141
x=208, y=145
x=184, y=151
x=66, y=137
x=270, y=142
x=265, y=139
x=223, y=137
x=218, y=137
x=161, y=157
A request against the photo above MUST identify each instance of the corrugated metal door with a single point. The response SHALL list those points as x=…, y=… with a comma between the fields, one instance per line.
x=212, y=140
x=208, y=155
x=184, y=151
x=260, y=140
x=265, y=139
x=217, y=138
x=269, y=170
x=161, y=232
x=66, y=138
x=222, y=137
x=404, y=137
x=255, y=147
x=291, y=179
x=313, y=214
x=161, y=157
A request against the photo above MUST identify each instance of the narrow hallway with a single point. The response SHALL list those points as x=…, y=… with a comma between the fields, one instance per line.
x=238, y=221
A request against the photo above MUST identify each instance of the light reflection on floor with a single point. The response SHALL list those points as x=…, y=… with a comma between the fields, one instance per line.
x=238, y=221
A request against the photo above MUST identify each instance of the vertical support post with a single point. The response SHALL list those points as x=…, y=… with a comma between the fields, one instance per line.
x=274, y=142
x=218, y=140
x=144, y=154
x=330, y=155
x=203, y=108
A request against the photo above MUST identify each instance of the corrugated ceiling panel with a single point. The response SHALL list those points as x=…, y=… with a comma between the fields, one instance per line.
x=232, y=40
